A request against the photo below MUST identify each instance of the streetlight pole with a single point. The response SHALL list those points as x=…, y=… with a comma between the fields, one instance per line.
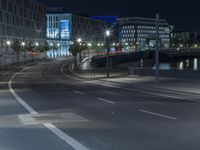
x=79, y=40
x=8, y=43
x=157, y=50
x=23, y=44
x=108, y=51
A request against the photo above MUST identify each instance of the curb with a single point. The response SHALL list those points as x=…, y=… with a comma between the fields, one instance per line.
x=141, y=85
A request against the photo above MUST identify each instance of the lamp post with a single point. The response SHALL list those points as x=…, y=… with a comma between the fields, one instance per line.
x=108, y=51
x=59, y=48
x=23, y=44
x=90, y=52
x=79, y=40
x=157, y=50
x=51, y=46
x=8, y=44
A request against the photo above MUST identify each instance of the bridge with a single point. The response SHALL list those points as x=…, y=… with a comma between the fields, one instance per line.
x=166, y=55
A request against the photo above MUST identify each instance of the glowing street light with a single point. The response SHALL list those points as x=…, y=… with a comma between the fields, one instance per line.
x=37, y=44
x=89, y=44
x=23, y=44
x=99, y=44
x=8, y=43
x=108, y=33
x=58, y=44
x=51, y=44
x=79, y=40
x=195, y=45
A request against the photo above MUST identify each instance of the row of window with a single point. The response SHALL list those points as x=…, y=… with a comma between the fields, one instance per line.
x=77, y=20
x=139, y=40
x=128, y=27
x=7, y=30
x=13, y=20
x=13, y=5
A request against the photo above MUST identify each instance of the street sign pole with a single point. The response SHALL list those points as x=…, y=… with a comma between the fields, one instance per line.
x=157, y=50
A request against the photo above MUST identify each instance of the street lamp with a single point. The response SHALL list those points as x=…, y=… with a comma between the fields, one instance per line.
x=108, y=51
x=36, y=44
x=79, y=40
x=157, y=49
x=107, y=33
x=23, y=44
x=8, y=43
x=89, y=44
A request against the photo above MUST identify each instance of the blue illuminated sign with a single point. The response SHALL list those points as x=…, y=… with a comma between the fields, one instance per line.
x=64, y=29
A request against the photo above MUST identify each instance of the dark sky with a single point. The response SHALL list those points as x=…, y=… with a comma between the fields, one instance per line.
x=184, y=14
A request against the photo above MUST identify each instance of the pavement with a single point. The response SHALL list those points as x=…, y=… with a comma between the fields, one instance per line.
x=46, y=106
x=121, y=77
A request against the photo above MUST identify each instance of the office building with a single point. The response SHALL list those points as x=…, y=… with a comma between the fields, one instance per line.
x=142, y=32
x=23, y=20
x=64, y=28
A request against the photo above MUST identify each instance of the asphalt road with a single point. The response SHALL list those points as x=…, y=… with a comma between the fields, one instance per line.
x=46, y=107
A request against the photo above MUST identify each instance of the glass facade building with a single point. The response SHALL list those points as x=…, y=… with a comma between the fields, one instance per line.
x=23, y=20
x=64, y=28
x=142, y=32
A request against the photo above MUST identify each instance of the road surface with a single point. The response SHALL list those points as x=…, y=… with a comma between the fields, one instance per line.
x=46, y=107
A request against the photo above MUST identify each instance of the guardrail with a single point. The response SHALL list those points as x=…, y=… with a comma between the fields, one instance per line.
x=11, y=57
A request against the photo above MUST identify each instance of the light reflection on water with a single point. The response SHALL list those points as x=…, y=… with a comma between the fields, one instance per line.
x=188, y=64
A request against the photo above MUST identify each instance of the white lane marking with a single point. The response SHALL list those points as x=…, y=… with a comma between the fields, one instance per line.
x=69, y=140
x=75, y=144
x=30, y=110
x=157, y=114
x=79, y=92
x=105, y=100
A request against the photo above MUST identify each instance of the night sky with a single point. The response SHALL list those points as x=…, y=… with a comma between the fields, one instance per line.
x=184, y=14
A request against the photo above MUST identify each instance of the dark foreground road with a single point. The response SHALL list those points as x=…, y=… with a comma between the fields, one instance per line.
x=47, y=108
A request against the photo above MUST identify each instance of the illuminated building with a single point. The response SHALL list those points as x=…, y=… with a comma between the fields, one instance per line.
x=64, y=28
x=142, y=31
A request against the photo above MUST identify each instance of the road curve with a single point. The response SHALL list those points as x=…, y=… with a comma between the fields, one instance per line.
x=51, y=108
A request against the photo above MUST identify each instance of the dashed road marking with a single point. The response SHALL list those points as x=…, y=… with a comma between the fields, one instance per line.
x=79, y=92
x=157, y=114
x=105, y=100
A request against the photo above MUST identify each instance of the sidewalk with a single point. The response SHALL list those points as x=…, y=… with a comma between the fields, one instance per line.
x=121, y=77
